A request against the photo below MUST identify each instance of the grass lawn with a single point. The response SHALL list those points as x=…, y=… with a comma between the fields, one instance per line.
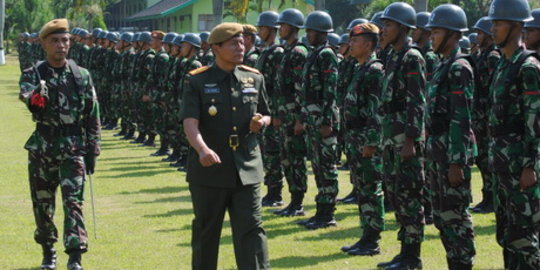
x=144, y=213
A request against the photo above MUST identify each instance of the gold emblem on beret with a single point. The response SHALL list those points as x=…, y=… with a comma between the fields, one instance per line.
x=212, y=111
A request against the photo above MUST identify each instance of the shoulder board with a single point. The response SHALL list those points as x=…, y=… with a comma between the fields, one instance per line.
x=199, y=70
x=247, y=68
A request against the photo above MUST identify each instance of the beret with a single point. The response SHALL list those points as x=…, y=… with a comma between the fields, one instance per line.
x=249, y=29
x=364, y=28
x=54, y=27
x=158, y=34
x=224, y=32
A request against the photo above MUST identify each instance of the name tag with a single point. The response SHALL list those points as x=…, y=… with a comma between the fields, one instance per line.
x=250, y=91
x=214, y=90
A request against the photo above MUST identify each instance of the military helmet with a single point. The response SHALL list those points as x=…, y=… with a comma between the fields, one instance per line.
x=169, y=37
x=400, y=12
x=192, y=39
x=136, y=37
x=535, y=23
x=333, y=39
x=145, y=36
x=319, y=21
x=34, y=35
x=103, y=34
x=465, y=43
x=25, y=35
x=510, y=10
x=127, y=36
x=448, y=16
x=84, y=33
x=268, y=18
x=96, y=31
x=376, y=19
x=422, y=19
x=258, y=41
x=472, y=37
x=344, y=39
x=204, y=36
x=178, y=40
x=483, y=24
x=74, y=31
x=355, y=22
x=292, y=16
x=113, y=36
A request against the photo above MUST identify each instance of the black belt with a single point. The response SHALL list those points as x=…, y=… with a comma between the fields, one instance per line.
x=59, y=131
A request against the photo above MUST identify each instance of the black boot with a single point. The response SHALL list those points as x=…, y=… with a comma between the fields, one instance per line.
x=304, y=222
x=121, y=133
x=394, y=260
x=74, y=262
x=410, y=259
x=163, y=149
x=151, y=141
x=295, y=208
x=129, y=134
x=172, y=157
x=455, y=265
x=325, y=218
x=180, y=162
x=486, y=205
x=368, y=244
x=351, y=198
x=49, y=257
x=273, y=197
x=140, y=138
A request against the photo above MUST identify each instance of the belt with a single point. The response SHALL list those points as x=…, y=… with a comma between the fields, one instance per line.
x=62, y=131
x=234, y=141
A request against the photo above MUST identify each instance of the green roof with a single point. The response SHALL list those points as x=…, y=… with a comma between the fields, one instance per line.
x=160, y=10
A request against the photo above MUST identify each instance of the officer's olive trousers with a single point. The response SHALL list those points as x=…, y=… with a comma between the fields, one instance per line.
x=243, y=204
x=45, y=175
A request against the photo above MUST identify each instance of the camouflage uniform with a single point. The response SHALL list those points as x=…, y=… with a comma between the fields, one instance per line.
x=172, y=98
x=144, y=113
x=345, y=73
x=67, y=129
x=251, y=57
x=451, y=141
x=157, y=77
x=363, y=128
x=207, y=58
x=403, y=104
x=514, y=121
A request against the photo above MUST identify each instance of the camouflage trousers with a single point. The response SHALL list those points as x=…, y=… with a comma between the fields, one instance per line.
x=451, y=215
x=517, y=214
x=45, y=175
x=271, y=144
x=367, y=180
x=293, y=157
x=175, y=132
x=482, y=161
x=405, y=182
x=323, y=162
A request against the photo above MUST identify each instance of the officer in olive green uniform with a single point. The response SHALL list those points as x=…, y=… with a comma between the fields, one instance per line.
x=225, y=105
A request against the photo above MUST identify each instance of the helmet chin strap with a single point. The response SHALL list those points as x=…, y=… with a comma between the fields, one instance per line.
x=441, y=47
x=398, y=37
x=507, y=38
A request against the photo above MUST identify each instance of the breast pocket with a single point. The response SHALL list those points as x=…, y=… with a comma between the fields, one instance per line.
x=251, y=101
x=213, y=106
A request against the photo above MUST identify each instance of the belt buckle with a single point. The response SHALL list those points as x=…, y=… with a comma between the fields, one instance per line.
x=234, y=142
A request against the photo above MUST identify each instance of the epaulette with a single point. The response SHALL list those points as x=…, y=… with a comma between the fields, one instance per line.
x=248, y=68
x=199, y=70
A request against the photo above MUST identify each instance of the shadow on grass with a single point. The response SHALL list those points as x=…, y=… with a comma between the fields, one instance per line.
x=302, y=261
x=134, y=168
x=157, y=190
x=178, y=212
x=117, y=158
x=169, y=199
x=139, y=174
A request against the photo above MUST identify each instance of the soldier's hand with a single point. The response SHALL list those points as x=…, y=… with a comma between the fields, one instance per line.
x=408, y=151
x=298, y=128
x=208, y=157
x=326, y=131
x=455, y=175
x=368, y=151
x=276, y=122
x=90, y=163
x=527, y=179
x=146, y=98
x=257, y=123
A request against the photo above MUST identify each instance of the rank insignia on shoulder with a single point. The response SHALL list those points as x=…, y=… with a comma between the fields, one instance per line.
x=199, y=70
x=248, y=68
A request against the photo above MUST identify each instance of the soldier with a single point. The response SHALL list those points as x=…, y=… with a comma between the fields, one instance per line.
x=289, y=82
x=206, y=56
x=532, y=31
x=125, y=49
x=363, y=135
x=269, y=58
x=485, y=65
x=513, y=119
x=111, y=79
x=465, y=45
x=226, y=103
x=403, y=103
x=64, y=146
x=451, y=142
x=252, y=52
x=320, y=117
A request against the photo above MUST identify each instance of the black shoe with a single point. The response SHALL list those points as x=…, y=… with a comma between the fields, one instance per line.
x=483, y=207
x=162, y=151
x=49, y=258
x=351, y=196
x=129, y=135
x=181, y=162
x=172, y=157
x=273, y=197
x=394, y=260
x=295, y=208
x=410, y=258
x=368, y=244
x=151, y=141
x=182, y=169
x=455, y=265
x=121, y=133
x=324, y=219
x=351, y=247
x=74, y=262
x=304, y=222
x=140, y=139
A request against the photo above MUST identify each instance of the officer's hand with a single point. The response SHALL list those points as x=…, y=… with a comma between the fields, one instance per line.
x=257, y=122
x=146, y=98
x=207, y=157
x=368, y=151
x=527, y=179
x=408, y=151
x=455, y=175
x=90, y=163
x=298, y=128
x=276, y=122
x=326, y=131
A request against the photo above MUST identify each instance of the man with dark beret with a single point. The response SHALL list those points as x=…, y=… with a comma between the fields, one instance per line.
x=224, y=107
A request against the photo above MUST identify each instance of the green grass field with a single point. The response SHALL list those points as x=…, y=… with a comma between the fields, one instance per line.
x=144, y=213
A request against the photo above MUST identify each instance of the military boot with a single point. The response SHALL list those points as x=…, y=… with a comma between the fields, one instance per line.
x=172, y=157
x=74, y=262
x=352, y=198
x=410, y=259
x=129, y=134
x=486, y=205
x=394, y=260
x=163, y=149
x=122, y=132
x=325, y=218
x=49, y=257
x=455, y=265
x=151, y=140
x=180, y=162
x=140, y=139
x=304, y=222
x=368, y=244
x=273, y=197
x=295, y=208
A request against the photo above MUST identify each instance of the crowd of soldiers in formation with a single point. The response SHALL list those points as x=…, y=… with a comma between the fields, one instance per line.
x=139, y=79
